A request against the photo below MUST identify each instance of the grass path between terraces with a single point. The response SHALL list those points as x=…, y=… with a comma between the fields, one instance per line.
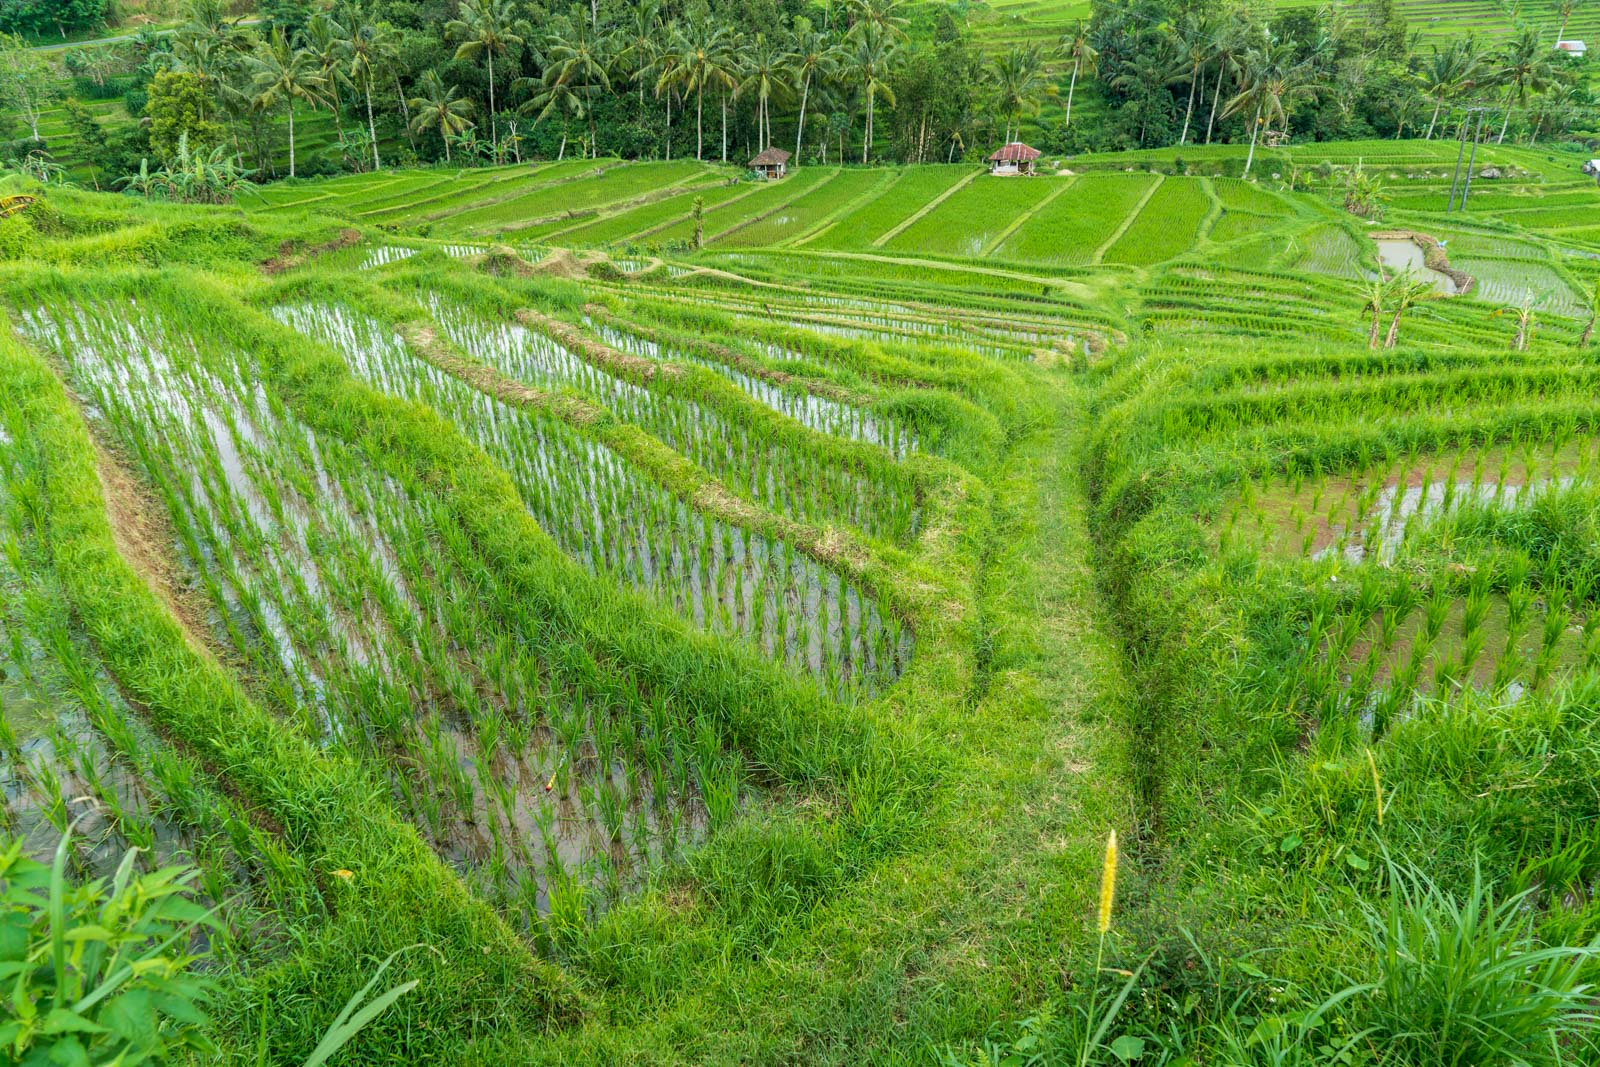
x=995, y=914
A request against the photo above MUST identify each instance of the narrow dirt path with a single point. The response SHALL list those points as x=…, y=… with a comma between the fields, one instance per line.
x=1138, y=209
x=924, y=209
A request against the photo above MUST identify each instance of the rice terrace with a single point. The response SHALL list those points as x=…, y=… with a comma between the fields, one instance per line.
x=977, y=534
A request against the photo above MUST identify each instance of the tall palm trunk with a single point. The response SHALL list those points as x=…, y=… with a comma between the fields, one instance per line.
x=866, y=141
x=724, y=125
x=1507, y=121
x=372, y=129
x=1216, y=98
x=669, y=125
x=1072, y=87
x=494, y=132
x=1437, y=104
x=291, y=137
x=805, y=89
x=699, y=135
x=1183, y=138
x=1255, y=128
x=405, y=109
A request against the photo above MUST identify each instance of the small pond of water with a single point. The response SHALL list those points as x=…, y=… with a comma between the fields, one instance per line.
x=1401, y=254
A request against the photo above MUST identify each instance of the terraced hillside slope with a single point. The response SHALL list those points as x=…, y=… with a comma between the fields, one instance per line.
x=740, y=647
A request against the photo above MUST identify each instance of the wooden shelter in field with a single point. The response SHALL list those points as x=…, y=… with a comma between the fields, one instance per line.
x=771, y=163
x=1011, y=159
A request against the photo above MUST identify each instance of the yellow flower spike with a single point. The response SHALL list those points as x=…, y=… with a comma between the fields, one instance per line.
x=1108, y=883
x=344, y=874
x=1377, y=786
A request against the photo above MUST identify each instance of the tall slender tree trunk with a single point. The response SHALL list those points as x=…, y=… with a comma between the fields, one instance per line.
x=724, y=125
x=1183, y=138
x=291, y=137
x=1255, y=128
x=1216, y=98
x=372, y=128
x=1394, y=327
x=669, y=125
x=494, y=132
x=1507, y=121
x=1072, y=87
x=699, y=136
x=866, y=141
x=1372, y=334
x=1437, y=104
x=805, y=90
x=405, y=110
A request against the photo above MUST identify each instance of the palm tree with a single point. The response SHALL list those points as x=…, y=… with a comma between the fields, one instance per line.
x=1084, y=60
x=439, y=108
x=1019, y=83
x=879, y=16
x=815, y=56
x=1566, y=7
x=576, y=69
x=1194, y=46
x=371, y=45
x=1406, y=292
x=1226, y=50
x=766, y=73
x=1271, y=78
x=1376, y=292
x=641, y=42
x=871, y=59
x=329, y=45
x=284, y=74
x=1525, y=321
x=702, y=55
x=1152, y=65
x=1448, y=72
x=487, y=28
x=1524, y=67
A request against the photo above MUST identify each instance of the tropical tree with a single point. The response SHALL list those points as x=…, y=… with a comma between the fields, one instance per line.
x=1271, y=78
x=575, y=72
x=486, y=28
x=1448, y=72
x=1566, y=7
x=371, y=45
x=284, y=74
x=641, y=43
x=439, y=108
x=880, y=17
x=1227, y=49
x=702, y=55
x=1524, y=68
x=1523, y=313
x=870, y=61
x=815, y=56
x=328, y=45
x=766, y=73
x=1020, y=84
x=1376, y=293
x=1594, y=313
x=27, y=84
x=1085, y=60
x=1405, y=293
x=1193, y=39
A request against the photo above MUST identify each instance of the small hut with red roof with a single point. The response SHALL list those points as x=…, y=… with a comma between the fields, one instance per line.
x=1014, y=158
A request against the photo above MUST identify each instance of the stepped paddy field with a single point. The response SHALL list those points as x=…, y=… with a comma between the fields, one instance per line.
x=743, y=652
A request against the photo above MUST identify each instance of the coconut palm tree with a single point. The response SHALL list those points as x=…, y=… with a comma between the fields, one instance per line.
x=284, y=74
x=641, y=43
x=1270, y=79
x=1020, y=83
x=767, y=69
x=439, y=108
x=577, y=67
x=1523, y=313
x=1227, y=49
x=1448, y=72
x=328, y=44
x=1376, y=293
x=371, y=46
x=879, y=16
x=486, y=28
x=1566, y=7
x=870, y=61
x=701, y=56
x=1405, y=293
x=1524, y=68
x=1194, y=39
x=815, y=56
x=1085, y=60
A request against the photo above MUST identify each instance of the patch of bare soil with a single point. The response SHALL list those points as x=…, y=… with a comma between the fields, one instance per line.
x=290, y=255
x=142, y=533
